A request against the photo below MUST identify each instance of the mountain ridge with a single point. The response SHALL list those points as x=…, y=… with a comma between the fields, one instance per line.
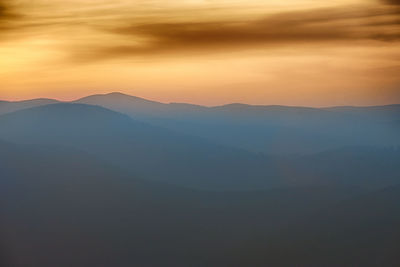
x=189, y=160
x=272, y=129
x=120, y=94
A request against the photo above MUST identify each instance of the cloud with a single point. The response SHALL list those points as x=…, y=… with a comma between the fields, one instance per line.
x=392, y=2
x=7, y=16
x=3, y=8
x=119, y=34
x=5, y=12
x=289, y=28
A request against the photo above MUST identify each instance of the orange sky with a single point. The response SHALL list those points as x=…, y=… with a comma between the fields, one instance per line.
x=292, y=52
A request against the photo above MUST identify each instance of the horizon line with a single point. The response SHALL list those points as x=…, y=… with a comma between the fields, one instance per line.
x=194, y=104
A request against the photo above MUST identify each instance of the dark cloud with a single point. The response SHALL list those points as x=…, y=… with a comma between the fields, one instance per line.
x=7, y=15
x=292, y=28
x=154, y=37
x=392, y=2
x=4, y=10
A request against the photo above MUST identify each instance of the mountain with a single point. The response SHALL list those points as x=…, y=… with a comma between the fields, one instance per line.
x=268, y=129
x=387, y=112
x=63, y=207
x=158, y=154
x=279, y=130
x=123, y=103
x=8, y=107
x=138, y=147
x=171, y=185
x=369, y=167
x=361, y=231
x=138, y=107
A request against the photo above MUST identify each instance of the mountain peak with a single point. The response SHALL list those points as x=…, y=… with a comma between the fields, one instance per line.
x=115, y=96
x=119, y=94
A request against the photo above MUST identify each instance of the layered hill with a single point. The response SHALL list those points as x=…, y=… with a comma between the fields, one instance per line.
x=8, y=106
x=160, y=154
x=155, y=152
x=63, y=207
x=268, y=129
x=361, y=231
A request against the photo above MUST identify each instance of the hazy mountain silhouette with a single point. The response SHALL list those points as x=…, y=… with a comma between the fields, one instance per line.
x=362, y=231
x=138, y=107
x=136, y=146
x=159, y=154
x=368, y=167
x=171, y=185
x=387, y=112
x=122, y=102
x=269, y=129
x=7, y=106
x=62, y=207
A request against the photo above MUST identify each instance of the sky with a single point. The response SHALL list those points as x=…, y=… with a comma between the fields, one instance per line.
x=208, y=52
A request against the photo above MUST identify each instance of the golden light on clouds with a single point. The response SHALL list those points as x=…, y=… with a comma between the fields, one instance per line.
x=295, y=52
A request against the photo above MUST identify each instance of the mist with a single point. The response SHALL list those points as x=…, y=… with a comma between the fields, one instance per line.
x=117, y=180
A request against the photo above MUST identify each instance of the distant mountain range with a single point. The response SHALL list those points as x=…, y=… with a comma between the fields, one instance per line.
x=268, y=129
x=49, y=192
x=158, y=153
x=62, y=207
x=116, y=180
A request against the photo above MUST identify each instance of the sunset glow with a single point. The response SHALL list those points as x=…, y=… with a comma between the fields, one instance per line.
x=297, y=52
